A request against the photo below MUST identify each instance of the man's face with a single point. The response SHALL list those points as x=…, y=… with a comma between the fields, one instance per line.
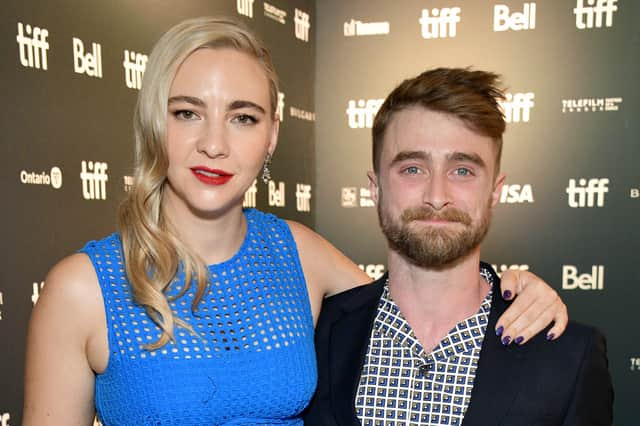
x=435, y=187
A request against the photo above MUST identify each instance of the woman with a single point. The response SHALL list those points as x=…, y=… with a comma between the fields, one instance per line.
x=197, y=311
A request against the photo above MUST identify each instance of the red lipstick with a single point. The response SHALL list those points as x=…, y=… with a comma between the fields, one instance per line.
x=211, y=176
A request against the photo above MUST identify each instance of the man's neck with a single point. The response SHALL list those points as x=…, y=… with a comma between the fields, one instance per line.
x=434, y=300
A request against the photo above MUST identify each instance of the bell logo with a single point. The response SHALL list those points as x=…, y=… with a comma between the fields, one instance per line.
x=33, y=46
x=587, y=194
x=276, y=194
x=134, y=65
x=245, y=7
x=503, y=20
x=594, y=13
x=94, y=180
x=360, y=114
x=516, y=194
x=37, y=287
x=89, y=63
x=571, y=280
x=440, y=23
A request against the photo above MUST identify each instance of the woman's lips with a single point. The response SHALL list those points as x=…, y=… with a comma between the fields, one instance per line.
x=211, y=176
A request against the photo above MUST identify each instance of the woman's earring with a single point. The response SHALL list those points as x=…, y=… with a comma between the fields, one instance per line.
x=266, y=173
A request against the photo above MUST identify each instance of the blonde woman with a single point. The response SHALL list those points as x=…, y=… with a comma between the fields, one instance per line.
x=198, y=311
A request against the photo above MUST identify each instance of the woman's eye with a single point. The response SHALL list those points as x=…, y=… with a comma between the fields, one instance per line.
x=185, y=114
x=245, y=119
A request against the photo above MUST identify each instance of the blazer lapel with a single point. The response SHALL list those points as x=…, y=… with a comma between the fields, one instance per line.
x=348, y=341
x=499, y=375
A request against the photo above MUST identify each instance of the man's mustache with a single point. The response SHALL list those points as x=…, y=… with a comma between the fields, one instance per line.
x=450, y=214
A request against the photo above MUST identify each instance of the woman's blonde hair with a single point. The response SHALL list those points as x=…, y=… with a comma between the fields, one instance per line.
x=153, y=253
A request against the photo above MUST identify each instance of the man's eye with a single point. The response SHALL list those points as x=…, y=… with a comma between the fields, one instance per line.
x=412, y=170
x=245, y=119
x=463, y=171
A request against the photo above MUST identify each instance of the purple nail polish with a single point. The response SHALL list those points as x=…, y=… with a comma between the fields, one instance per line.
x=499, y=331
x=518, y=340
x=507, y=294
x=506, y=340
x=550, y=336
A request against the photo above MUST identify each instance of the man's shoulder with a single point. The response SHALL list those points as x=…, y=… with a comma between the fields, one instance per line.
x=354, y=298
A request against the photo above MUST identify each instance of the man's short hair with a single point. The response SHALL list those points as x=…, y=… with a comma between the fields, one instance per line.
x=472, y=96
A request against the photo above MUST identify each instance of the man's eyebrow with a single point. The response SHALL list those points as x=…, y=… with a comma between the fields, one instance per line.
x=410, y=155
x=245, y=104
x=467, y=156
x=188, y=99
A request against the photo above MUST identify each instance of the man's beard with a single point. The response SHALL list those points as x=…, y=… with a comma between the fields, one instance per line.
x=433, y=246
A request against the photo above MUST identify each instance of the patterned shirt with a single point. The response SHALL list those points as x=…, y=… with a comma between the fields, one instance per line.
x=402, y=384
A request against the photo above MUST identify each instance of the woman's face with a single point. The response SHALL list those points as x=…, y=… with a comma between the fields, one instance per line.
x=219, y=130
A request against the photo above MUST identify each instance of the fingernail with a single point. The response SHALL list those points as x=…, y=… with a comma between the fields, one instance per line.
x=499, y=331
x=507, y=294
x=518, y=340
x=506, y=340
x=550, y=336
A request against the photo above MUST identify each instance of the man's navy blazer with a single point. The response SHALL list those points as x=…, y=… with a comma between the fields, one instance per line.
x=561, y=382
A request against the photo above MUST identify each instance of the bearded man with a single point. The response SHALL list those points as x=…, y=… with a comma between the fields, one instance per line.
x=411, y=348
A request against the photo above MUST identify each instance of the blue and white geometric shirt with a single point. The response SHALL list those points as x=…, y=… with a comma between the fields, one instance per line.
x=402, y=384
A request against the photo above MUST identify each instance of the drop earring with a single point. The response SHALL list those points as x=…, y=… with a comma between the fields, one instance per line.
x=266, y=173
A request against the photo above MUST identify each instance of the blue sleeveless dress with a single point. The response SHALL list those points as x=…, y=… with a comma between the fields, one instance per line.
x=252, y=361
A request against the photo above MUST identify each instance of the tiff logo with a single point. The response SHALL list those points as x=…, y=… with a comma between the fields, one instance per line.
x=89, y=63
x=276, y=194
x=594, y=13
x=503, y=20
x=245, y=7
x=303, y=197
x=517, y=107
x=302, y=25
x=635, y=364
x=1, y=303
x=134, y=65
x=360, y=113
x=128, y=183
x=4, y=419
x=37, y=287
x=280, y=107
x=587, y=194
x=593, y=281
x=250, y=195
x=33, y=46
x=440, y=23
x=94, y=180
x=516, y=194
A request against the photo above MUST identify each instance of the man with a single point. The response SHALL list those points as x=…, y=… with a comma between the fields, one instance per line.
x=411, y=348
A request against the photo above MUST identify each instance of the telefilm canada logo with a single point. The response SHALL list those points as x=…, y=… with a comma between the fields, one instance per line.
x=355, y=28
x=302, y=114
x=595, y=13
x=53, y=178
x=591, y=104
x=32, y=46
x=504, y=19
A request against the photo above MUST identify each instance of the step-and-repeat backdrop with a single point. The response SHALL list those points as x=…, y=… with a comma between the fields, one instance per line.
x=570, y=209
x=69, y=77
